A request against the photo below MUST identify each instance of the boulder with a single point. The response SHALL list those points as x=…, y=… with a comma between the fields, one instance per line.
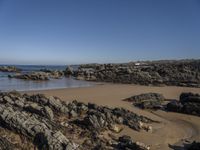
x=147, y=100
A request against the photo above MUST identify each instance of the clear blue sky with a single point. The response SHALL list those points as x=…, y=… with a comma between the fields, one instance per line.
x=84, y=31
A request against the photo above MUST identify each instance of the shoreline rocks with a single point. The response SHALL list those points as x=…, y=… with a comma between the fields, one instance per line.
x=49, y=123
x=37, y=76
x=9, y=69
x=147, y=100
x=189, y=103
x=177, y=73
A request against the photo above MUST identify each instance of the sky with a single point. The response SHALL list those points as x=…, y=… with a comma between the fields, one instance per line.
x=98, y=31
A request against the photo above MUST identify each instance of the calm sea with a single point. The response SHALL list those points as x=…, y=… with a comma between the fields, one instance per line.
x=7, y=84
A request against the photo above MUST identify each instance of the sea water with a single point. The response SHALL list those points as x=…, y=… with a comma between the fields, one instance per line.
x=8, y=84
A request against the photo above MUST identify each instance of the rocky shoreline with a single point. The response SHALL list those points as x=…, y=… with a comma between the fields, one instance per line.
x=159, y=73
x=176, y=73
x=188, y=103
x=9, y=69
x=37, y=121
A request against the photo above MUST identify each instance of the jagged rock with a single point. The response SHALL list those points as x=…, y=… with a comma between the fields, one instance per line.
x=48, y=112
x=55, y=74
x=39, y=76
x=147, y=100
x=178, y=73
x=49, y=123
x=30, y=126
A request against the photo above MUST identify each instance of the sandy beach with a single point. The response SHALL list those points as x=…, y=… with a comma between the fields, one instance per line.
x=173, y=129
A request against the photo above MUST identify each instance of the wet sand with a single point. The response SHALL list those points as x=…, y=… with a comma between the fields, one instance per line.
x=174, y=128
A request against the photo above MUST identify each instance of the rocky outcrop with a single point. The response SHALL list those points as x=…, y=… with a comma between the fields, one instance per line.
x=55, y=74
x=69, y=71
x=9, y=69
x=147, y=100
x=37, y=76
x=49, y=123
x=178, y=73
x=189, y=103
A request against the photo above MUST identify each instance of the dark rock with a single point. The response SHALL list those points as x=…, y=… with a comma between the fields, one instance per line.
x=126, y=143
x=189, y=103
x=174, y=106
x=189, y=98
x=49, y=123
x=178, y=73
x=194, y=146
x=147, y=100
x=38, y=76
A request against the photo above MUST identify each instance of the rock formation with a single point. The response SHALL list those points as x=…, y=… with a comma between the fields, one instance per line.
x=189, y=103
x=147, y=100
x=9, y=69
x=49, y=123
x=178, y=73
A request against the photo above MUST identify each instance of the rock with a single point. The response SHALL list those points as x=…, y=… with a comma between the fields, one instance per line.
x=177, y=73
x=5, y=144
x=28, y=125
x=189, y=103
x=38, y=76
x=125, y=142
x=189, y=98
x=115, y=128
x=49, y=113
x=194, y=146
x=49, y=123
x=73, y=114
x=69, y=71
x=9, y=69
x=142, y=146
x=147, y=100
x=174, y=106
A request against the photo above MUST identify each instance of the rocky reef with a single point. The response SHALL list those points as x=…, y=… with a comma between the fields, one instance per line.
x=40, y=122
x=177, y=73
x=42, y=75
x=37, y=76
x=9, y=69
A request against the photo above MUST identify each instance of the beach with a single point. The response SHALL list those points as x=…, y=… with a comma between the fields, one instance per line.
x=172, y=129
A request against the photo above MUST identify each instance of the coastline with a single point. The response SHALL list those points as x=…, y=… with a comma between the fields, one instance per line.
x=174, y=128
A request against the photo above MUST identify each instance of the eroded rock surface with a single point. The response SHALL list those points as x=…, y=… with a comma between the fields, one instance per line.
x=49, y=123
x=147, y=100
x=178, y=73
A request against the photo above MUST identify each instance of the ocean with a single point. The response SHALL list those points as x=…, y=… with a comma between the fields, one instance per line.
x=7, y=84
